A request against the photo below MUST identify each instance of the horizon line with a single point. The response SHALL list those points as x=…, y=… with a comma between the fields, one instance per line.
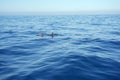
x=60, y=13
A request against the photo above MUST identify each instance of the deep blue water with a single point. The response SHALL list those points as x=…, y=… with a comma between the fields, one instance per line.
x=85, y=47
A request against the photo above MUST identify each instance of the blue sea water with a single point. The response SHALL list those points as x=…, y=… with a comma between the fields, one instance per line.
x=85, y=47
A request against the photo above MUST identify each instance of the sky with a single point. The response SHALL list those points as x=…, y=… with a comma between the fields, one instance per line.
x=59, y=6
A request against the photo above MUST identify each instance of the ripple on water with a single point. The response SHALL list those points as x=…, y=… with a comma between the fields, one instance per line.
x=84, y=48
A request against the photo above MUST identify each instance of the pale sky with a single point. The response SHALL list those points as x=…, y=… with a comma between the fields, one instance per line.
x=57, y=6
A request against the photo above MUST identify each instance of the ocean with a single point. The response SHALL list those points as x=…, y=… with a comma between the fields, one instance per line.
x=84, y=47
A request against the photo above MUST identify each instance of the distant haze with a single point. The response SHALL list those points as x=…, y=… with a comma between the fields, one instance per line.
x=59, y=6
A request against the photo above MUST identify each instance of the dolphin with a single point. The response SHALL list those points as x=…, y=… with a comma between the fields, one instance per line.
x=42, y=35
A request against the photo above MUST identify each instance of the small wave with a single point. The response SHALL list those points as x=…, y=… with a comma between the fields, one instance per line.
x=73, y=67
x=79, y=51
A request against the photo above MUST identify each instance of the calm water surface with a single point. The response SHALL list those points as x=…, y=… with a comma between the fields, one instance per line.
x=85, y=47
